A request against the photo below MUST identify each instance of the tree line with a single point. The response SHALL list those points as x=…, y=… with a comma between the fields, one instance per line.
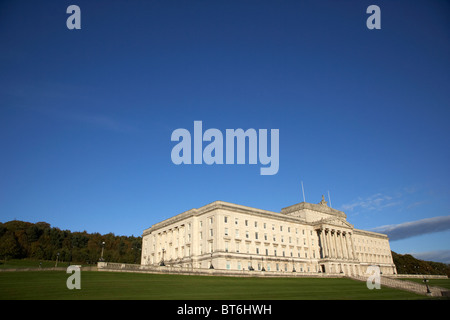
x=407, y=264
x=20, y=239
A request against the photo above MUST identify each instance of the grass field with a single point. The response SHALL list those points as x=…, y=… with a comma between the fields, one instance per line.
x=50, y=285
x=443, y=283
x=31, y=263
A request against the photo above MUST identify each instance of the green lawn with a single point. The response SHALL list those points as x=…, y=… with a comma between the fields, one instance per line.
x=115, y=285
x=31, y=263
x=443, y=283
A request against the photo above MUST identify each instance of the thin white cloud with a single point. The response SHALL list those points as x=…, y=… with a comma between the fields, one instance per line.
x=50, y=99
x=415, y=228
x=436, y=255
x=376, y=201
x=416, y=204
x=102, y=121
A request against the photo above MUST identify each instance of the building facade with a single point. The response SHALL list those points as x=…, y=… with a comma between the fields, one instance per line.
x=304, y=237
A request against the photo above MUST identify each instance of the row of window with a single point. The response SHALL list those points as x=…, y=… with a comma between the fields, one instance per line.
x=267, y=252
x=268, y=266
x=256, y=236
x=264, y=224
x=247, y=235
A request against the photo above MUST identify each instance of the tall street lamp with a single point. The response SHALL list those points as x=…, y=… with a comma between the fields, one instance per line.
x=103, y=247
x=57, y=256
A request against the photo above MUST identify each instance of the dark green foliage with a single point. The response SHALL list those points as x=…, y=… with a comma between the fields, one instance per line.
x=19, y=239
x=407, y=264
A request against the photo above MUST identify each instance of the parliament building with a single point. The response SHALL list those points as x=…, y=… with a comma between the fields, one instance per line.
x=303, y=238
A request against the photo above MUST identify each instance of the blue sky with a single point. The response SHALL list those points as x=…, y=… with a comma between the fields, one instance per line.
x=86, y=115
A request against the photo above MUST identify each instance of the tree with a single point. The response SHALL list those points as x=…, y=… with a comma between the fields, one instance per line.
x=9, y=246
x=19, y=239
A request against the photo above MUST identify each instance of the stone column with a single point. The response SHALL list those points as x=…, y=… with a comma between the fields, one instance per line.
x=175, y=242
x=338, y=244
x=345, y=242
x=352, y=246
x=322, y=244
x=349, y=249
x=324, y=237
x=333, y=239
x=333, y=236
x=329, y=244
x=344, y=245
x=341, y=243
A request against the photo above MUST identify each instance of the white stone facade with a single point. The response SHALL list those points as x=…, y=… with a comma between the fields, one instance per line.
x=304, y=238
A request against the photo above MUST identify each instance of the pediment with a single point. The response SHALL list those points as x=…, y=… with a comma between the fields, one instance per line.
x=333, y=221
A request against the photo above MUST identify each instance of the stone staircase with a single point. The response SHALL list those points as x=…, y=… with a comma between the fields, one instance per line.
x=408, y=286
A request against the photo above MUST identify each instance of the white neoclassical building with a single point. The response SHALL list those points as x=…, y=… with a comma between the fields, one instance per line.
x=304, y=237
